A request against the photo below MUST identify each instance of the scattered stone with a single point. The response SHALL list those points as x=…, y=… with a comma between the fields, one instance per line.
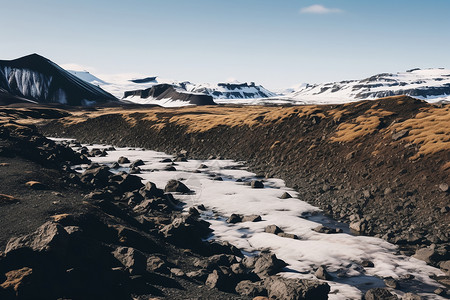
x=157, y=264
x=176, y=186
x=285, y=195
x=252, y=218
x=267, y=264
x=429, y=255
x=379, y=294
x=439, y=291
x=36, y=185
x=123, y=160
x=400, y=134
x=166, y=160
x=274, y=229
x=137, y=163
x=4, y=164
x=115, y=165
x=358, y=226
x=177, y=272
x=445, y=209
x=296, y=289
x=251, y=289
x=199, y=275
x=217, y=279
x=257, y=184
x=133, y=260
x=327, y=230
x=16, y=280
x=391, y=282
x=48, y=236
x=323, y=274
x=170, y=168
x=367, y=264
x=201, y=207
x=443, y=187
x=288, y=235
x=387, y=191
x=234, y=218
x=445, y=266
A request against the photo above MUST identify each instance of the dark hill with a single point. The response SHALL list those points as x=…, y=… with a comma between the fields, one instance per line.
x=36, y=78
x=167, y=91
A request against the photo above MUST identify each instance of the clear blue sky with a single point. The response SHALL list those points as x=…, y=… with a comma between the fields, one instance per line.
x=277, y=43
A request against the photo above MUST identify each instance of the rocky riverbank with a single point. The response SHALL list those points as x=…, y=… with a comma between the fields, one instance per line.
x=109, y=235
x=381, y=166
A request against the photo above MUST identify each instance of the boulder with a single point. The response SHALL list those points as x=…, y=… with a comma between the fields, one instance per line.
x=176, y=186
x=257, y=184
x=234, y=218
x=221, y=280
x=137, y=163
x=49, y=236
x=157, y=264
x=429, y=255
x=133, y=260
x=445, y=266
x=379, y=294
x=443, y=187
x=323, y=274
x=391, y=283
x=251, y=289
x=267, y=264
x=252, y=218
x=296, y=289
x=19, y=283
x=400, y=134
x=123, y=160
x=285, y=195
x=274, y=229
x=327, y=230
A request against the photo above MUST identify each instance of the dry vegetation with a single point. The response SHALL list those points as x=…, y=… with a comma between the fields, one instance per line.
x=430, y=130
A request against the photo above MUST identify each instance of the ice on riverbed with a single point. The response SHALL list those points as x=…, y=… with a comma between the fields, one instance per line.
x=341, y=253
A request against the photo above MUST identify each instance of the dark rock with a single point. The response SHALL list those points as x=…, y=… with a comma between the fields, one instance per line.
x=177, y=272
x=257, y=184
x=199, y=275
x=170, y=168
x=251, y=289
x=379, y=294
x=157, y=264
x=411, y=296
x=252, y=218
x=176, y=186
x=288, y=235
x=327, y=230
x=443, y=187
x=150, y=191
x=115, y=165
x=323, y=274
x=391, y=282
x=49, y=236
x=135, y=170
x=137, y=163
x=296, y=289
x=429, y=255
x=367, y=264
x=234, y=218
x=166, y=160
x=274, y=229
x=267, y=264
x=133, y=260
x=123, y=160
x=399, y=135
x=223, y=282
x=285, y=195
x=445, y=266
x=19, y=283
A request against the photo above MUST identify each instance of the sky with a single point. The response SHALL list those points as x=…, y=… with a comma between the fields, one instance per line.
x=274, y=43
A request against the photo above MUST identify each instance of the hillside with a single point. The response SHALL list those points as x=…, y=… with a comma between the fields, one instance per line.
x=384, y=163
x=39, y=80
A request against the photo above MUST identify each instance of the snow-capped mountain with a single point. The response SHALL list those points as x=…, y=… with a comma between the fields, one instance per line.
x=120, y=85
x=168, y=95
x=40, y=80
x=234, y=90
x=431, y=85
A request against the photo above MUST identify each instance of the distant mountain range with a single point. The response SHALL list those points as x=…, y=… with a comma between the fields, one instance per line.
x=432, y=85
x=36, y=79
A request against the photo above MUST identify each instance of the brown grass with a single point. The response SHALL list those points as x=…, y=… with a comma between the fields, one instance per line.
x=363, y=125
x=430, y=130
